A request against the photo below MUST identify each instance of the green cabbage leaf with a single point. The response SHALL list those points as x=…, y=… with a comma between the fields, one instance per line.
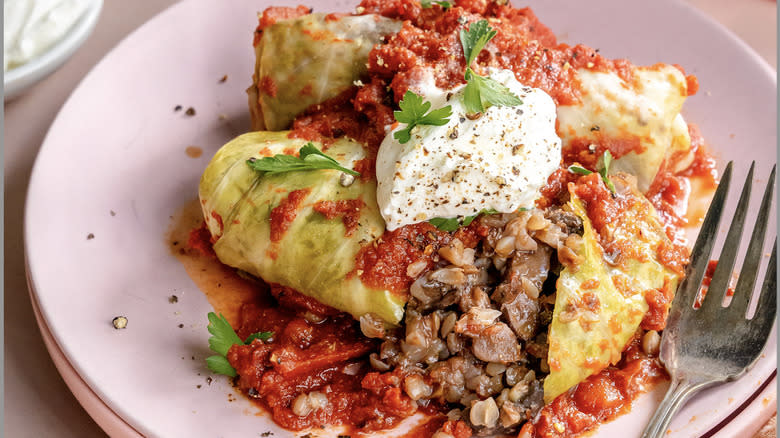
x=601, y=302
x=310, y=59
x=314, y=256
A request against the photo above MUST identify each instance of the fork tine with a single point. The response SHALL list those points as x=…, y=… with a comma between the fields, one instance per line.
x=767, y=302
x=720, y=279
x=747, y=276
x=700, y=255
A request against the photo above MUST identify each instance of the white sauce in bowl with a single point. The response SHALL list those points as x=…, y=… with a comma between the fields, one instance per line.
x=31, y=27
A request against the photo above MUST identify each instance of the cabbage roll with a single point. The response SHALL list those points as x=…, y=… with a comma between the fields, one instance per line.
x=304, y=61
x=642, y=116
x=273, y=226
x=601, y=302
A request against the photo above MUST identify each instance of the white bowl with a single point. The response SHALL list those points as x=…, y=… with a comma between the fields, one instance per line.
x=20, y=78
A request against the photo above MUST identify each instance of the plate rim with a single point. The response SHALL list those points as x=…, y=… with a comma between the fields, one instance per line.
x=105, y=417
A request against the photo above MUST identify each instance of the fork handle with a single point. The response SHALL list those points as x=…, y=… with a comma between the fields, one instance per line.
x=679, y=391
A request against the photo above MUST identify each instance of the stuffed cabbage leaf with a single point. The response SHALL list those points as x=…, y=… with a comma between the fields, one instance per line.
x=312, y=254
x=638, y=120
x=600, y=304
x=306, y=60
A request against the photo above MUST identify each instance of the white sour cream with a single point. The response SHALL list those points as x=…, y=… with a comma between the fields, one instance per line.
x=30, y=27
x=499, y=161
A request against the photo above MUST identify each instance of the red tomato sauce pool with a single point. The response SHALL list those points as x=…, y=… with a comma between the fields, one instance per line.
x=600, y=397
x=313, y=371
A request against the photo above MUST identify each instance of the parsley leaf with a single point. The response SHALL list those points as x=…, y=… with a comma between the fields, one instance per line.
x=263, y=336
x=469, y=219
x=603, y=168
x=220, y=365
x=474, y=39
x=426, y=4
x=445, y=224
x=222, y=334
x=452, y=223
x=482, y=92
x=310, y=158
x=414, y=111
x=579, y=170
x=222, y=338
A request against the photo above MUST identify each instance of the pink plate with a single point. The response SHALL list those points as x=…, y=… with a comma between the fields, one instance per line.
x=113, y=169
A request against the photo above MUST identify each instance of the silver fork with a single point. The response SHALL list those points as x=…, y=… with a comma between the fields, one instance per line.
x=712, y=344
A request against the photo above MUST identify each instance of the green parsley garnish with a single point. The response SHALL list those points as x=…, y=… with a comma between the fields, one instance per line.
x=263, y=336
x=426, y=4
x=445, y=224
x=453, y=223
x=579, y=170
x=415, y=112
x=482, y=92
x=310, y=158
x=474, y=39
x=603, y=168
x=222, y=338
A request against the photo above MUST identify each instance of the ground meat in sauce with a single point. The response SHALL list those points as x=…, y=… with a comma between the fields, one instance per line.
x=474, y=332
x=383, y=263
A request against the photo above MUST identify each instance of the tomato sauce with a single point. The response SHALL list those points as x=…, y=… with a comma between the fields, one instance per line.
x=705, y=284
x=430, y=41
x=556, y=191
x=367, y=169
x=658, y=302
x=587, y=151
x=703, y=165
x=600, y=397
x=602, y=208
x=382, y=264
x=283, y=214
x=670, y=191
x=348, y=209
x=313, y=347
x=200, y=240
x=267, y=86
x=337, y=117
x=276, y=13
x=317, y=352
x=458, y=429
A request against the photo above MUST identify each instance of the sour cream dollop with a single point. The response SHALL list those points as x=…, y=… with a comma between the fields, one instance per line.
x=30, y=27
x=498, y=161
